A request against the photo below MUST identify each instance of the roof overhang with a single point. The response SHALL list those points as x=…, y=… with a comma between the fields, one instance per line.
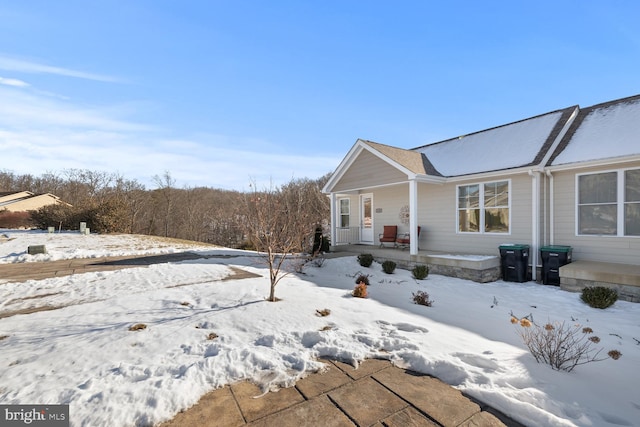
x=612, y=162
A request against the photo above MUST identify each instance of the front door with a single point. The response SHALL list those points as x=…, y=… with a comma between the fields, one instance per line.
x=366, y=218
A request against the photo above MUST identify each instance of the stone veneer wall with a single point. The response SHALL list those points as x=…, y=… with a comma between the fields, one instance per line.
x=625, y=292
x=490, y=274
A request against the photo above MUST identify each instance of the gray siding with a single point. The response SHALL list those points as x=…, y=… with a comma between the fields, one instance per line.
x=368, y=171
x=625, y=250
x=387, y=204
x=438, y=217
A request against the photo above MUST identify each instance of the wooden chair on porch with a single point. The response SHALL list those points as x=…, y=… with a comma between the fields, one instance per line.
x=404, y=240
x=389, y=235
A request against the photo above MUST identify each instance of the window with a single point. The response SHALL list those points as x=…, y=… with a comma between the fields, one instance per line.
x=609, y=203
x=345, y=211
x=484, y=208
x=632, y=202
x=597, y=206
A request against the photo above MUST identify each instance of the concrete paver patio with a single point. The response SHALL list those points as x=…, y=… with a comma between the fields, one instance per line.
x=375, y=394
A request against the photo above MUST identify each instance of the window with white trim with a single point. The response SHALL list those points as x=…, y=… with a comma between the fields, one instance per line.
x=484, y=208
x=609, y=203
x=345, y=212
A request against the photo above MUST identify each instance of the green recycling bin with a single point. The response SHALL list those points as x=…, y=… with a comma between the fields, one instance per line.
x=515, y=262
x=554, y=257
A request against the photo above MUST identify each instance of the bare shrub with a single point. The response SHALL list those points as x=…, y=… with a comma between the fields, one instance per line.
x=561, y=346
x=138, y=327
x=360, y=291
x=362, y=278
x=318, y=260
x=421, y=298
x=324, y=312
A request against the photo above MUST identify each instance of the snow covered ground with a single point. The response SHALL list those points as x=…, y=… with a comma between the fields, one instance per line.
x=85, y=355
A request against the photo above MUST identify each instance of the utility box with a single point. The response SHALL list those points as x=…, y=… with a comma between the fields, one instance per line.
x=515, y=262
x=554, y=257
x=36, y=249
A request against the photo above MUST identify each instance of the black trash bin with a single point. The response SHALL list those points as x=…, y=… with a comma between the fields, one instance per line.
x=554, y=257
x=515, y=262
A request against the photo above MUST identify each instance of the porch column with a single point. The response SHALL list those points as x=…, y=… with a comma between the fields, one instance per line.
x=413, y=217
x=332, y=218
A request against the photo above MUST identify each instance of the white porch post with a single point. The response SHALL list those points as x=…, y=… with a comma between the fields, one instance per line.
x=333, y=218
x=413, y=217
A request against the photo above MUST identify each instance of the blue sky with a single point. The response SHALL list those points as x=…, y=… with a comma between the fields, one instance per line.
x=225, y=93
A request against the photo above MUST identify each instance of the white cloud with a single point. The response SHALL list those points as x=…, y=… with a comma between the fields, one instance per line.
x=39, y=134
x=30, y=111
x=13, y=64
x=13, y=82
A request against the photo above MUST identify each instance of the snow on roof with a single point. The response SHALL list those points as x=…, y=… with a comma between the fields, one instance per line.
x=606, y=131
x=504, y=147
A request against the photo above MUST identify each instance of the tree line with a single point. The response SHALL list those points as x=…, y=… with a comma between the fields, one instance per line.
x=110, y=203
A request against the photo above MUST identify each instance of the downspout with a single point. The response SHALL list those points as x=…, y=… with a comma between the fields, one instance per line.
x=333, y=217
x=551, y=207
x=413, y=217
x=535, y=222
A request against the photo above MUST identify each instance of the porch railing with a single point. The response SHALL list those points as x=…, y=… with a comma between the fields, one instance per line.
x=347, y=235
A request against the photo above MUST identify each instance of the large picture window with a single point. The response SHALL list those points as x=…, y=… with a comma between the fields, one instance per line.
x=345, y=212
x=484, y=208
x=609, y=203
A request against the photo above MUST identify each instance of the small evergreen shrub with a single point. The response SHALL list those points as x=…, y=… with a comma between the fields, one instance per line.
x=388, y=266
x=599, y=296
x=365, y=260
x=421, y=298
x=360, y=291
x=420, y=271
x=362, y=278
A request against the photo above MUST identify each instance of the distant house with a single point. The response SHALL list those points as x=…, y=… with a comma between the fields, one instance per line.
x=567, y=177
x=26, y=201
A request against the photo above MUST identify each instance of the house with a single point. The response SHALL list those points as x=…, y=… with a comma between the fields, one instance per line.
x=567, y=177
x=26, y=201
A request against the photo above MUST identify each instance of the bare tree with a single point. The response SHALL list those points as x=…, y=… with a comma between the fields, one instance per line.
x=274, y=219
x=166, y=190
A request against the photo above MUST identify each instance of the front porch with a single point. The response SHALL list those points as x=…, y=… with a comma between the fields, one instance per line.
x=479, y=268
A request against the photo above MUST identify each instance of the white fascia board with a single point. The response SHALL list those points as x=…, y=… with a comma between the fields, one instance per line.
x=343, y=166
x=429, y=179
x=359, y=190
x=493, y=174
x=594, y=163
